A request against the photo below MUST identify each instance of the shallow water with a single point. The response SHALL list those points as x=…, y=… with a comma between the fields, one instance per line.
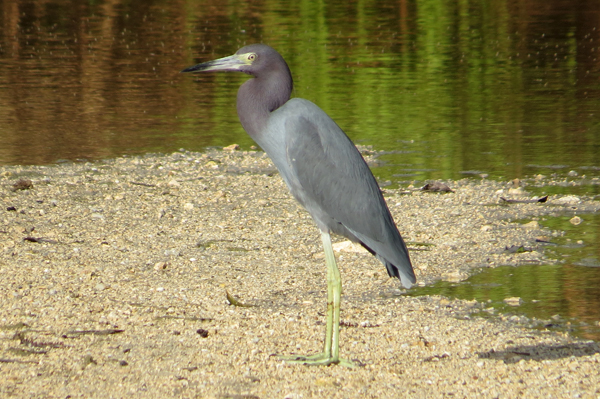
x=448, y=89
x=562, y=296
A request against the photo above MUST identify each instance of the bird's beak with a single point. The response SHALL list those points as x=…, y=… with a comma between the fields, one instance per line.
x=231, y=63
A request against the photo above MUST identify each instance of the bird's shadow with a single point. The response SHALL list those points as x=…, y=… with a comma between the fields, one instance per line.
x=540, y=352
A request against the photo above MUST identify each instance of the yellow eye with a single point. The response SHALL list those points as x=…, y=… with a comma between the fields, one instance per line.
x=251, y=57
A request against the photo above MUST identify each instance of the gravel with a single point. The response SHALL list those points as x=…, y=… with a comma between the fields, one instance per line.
x=186, y=275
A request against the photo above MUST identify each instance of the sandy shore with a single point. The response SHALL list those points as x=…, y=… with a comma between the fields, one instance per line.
x=114, y=278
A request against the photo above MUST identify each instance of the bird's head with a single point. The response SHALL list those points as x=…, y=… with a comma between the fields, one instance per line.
x=255, y=59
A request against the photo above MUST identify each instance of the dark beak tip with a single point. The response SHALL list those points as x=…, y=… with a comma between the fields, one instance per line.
x=190, y=69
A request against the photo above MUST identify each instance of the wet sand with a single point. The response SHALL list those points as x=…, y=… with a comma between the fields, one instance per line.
x=114, y=279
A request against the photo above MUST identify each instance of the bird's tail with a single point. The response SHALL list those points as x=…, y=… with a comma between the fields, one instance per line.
x=406, y=279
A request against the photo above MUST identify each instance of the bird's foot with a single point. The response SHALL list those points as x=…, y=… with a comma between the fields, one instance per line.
x=320, y=359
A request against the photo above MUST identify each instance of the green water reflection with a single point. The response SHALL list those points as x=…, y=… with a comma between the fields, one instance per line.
x=562, y=296
x=447, y=87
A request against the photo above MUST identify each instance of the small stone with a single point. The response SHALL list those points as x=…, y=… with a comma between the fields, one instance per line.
x=575, y=220
x=454, y=277
x=572, y=173
x=22, y=184
x=513, y=301
x=202, y=332
x=100, y=287
x=188, y=206
x=231, y=147
x=160, y=266
x=533, y=225
x=437, y=186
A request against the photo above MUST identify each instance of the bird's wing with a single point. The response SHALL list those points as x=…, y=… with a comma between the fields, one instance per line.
x=327, y=175
x=333, y=176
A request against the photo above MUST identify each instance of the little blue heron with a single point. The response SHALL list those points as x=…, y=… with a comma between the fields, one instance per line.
x=323, y=170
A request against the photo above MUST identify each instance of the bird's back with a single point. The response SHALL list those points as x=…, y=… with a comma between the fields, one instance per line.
x=328, y=176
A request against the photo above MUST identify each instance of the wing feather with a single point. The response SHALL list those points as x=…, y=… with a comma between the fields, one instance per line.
x=330, y=178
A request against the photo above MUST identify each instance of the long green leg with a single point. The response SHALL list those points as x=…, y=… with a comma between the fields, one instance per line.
x=332, y=333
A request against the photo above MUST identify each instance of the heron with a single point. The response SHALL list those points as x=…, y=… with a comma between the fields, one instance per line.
x=323, y=170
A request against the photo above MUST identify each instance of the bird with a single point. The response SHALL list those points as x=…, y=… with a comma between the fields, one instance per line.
x=323, y=170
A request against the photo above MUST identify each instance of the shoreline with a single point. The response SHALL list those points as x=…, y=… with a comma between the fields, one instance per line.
x=121, y=289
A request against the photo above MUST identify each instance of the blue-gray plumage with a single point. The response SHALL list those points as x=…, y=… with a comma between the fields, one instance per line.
x=323, y=170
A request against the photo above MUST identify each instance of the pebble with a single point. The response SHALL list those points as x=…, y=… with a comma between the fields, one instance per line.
x=533, y=225
x=160, y=266
x=576, y=220
x=232, y=147
x=454, y=277
x=513, y=301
